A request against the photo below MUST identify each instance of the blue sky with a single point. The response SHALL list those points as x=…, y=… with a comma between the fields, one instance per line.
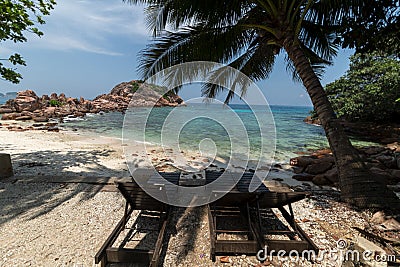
x=90, y=46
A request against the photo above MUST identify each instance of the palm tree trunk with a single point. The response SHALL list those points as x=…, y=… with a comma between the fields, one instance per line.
x=358, y=185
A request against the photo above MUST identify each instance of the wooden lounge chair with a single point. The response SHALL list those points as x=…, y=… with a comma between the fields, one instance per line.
x=251, y=212
x=136, y=199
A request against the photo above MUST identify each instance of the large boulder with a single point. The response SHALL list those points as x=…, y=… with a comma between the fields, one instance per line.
x=304, y=177
x=384, y=175
x=395, y=174
x=10, y=116
x=40, y=119
x=373, y=150
x=5, y=110
x=53, y=96
x=321, y=180
x=302, y=161
x=332, y=175
x=312, y=120
x=24, y=118
x=27, y=101
x=388, y=160
x=319, y=167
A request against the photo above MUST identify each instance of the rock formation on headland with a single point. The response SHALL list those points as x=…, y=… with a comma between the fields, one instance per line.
x=28, y=106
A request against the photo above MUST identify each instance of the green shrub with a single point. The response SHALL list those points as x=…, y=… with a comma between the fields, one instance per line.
x=369, y=90
x=54, y=103
x=135, y=87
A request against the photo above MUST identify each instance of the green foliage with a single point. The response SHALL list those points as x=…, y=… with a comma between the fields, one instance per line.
x=369, y=91
x=372, y=26
x=54, y=103
x=16, y=18
x=135, y=87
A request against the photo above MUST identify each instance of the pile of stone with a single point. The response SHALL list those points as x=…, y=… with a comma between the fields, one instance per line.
x=28, y=106
x=319, y=167
x=47, y=126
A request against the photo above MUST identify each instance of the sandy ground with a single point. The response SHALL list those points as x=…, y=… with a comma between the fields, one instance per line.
x=64, y=224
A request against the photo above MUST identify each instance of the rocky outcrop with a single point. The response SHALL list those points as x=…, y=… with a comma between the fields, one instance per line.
x=28, y=106
x=319, y=167
x=384, y=133
x=312, y=120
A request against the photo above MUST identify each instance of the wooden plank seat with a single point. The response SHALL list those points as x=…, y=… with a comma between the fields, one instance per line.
x=251, y=209
x=136, y=199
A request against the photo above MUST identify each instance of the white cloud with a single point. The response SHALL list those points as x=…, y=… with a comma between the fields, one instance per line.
x=92, y=26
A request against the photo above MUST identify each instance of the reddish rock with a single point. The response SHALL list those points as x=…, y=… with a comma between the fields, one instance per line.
x=322, y=153
x=53, y=129
x=318, y=168
x=303, y=177
x=311, y=120
x=373, y=150
x=389, y=140
x=395, y=174
x=302, y=161
x=79, y=114
x=29, y=104
x=332, y=175
x=384, y=175
x=298, y=170
x=26, y=113
x=70, y=101
x=51, y=124
x=5, y=110
x=321, y=180
x=10, y=116
x=388, y=160
x=395, y=147
x=53, y=96
x=23, y=118
x=26, y=101
x=40, y=119
x=49, y=111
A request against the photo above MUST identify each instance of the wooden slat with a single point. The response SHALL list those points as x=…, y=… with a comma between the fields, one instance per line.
x=233, y=247
x=139, y=199
x=123, y=255
x=211, y=226
x=158, y=246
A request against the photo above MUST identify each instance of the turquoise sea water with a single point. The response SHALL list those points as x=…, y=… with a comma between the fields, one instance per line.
x=5, y=97
x=292, y=134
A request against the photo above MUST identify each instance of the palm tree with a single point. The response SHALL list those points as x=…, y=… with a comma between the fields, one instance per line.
x=248, y=35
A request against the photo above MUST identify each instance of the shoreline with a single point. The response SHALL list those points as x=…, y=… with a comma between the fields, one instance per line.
x=109, y=158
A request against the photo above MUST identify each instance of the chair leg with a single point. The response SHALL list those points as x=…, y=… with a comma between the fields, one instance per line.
x=125, y=214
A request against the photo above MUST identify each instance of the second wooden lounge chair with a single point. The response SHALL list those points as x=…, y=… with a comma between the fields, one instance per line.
x=136, y=199
x=249, y=216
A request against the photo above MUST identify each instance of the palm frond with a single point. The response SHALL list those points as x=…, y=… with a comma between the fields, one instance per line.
x=255, y=63
x=193, y=44
x=319, y=38
x=176, y=14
